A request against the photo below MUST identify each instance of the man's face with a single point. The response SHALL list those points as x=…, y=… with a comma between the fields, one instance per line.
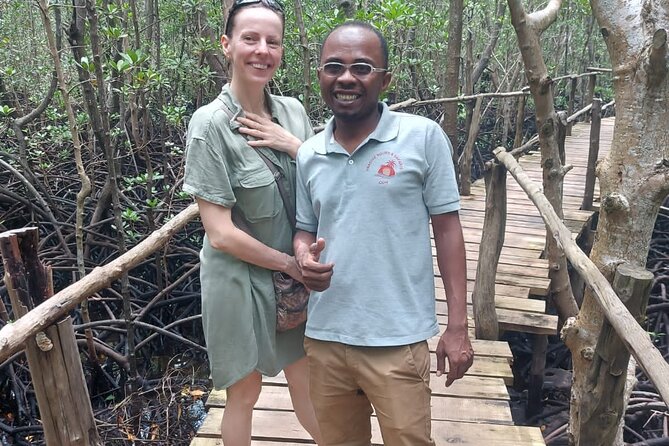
x=350, y=97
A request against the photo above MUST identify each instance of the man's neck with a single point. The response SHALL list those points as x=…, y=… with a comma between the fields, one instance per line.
x=349, y=134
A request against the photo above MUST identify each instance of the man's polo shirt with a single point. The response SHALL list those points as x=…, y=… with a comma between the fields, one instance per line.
x=372, y=207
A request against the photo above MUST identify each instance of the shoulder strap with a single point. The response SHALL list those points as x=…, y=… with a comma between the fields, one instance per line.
x=278, y=179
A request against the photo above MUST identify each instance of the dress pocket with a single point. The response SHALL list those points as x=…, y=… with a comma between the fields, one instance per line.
x=258, y=197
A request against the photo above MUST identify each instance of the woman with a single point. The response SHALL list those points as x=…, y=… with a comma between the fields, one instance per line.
x=224, y=171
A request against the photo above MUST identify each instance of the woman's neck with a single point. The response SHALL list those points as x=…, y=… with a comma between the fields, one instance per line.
x=250, y=97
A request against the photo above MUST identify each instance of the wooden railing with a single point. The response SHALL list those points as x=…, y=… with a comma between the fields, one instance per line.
x=625, y=324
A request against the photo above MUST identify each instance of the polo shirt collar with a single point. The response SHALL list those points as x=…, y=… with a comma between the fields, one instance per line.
x=386, y=129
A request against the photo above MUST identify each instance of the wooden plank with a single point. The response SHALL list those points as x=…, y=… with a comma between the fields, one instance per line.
x=482, y=347
x=443, y=407
x=467, y=387
x=199, y=441
x=519, y=268
x=475, y=434
x=514, y=320
x=508, y=303
x=276, y=426
x=511, y=260
x=267, y=426
x=537, y=285
x=510, y=320
x=483, y=366
x=479, y=387
x=500, y=289
x=471, y=410
x=506, y=250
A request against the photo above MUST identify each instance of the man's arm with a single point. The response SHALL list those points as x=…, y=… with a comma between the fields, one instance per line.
x=454, y=344
x=315, y=275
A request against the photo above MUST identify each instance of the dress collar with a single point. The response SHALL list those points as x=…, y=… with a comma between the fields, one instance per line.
x=228, y=98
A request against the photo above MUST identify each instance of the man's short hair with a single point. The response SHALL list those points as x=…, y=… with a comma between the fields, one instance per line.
x=363, y=25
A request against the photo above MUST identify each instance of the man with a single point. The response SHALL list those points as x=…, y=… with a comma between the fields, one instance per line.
x=367, y=187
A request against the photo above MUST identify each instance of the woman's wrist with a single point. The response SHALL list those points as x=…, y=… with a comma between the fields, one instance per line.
x=286, y=262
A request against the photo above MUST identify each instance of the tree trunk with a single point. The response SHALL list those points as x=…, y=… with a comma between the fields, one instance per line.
x=451, y=80
x=465, y=161
x=528, y=29
x=214, y=59
x=608, y=374
x=634, y=178
x=348, y=6
x=492, y=43
x=85, y=190
x=306, y=59
x=490, y=248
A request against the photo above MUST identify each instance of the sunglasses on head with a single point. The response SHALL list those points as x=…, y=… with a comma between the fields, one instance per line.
x=275, y=4
x=358, y=69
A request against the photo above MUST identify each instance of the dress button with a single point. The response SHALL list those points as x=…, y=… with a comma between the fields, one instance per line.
x=350, y=161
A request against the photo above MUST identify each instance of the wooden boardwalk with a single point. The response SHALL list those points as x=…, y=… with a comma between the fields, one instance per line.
x=474, y=410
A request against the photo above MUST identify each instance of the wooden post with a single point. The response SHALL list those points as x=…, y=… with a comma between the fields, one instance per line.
x=465, y=161
x=593, y=154
x=570, y=105
x=492, y=240
x=608, y=372
x=585, y=240
x=53, y=356
x=536, y=384
x=520, y=120
x=590, y=95
x=561, y=134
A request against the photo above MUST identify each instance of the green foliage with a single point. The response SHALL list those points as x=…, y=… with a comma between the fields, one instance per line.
x=164, y=81
x=6, y=110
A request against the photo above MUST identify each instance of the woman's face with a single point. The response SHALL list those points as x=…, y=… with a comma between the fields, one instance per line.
x=255, y=46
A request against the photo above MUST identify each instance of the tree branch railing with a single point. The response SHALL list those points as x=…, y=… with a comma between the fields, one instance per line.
x=626, y=326
x=465, y=160
x=14, y=335
x=485, y=319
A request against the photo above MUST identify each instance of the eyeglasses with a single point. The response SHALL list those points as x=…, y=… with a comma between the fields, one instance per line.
x=358, y=69
x=276, y=5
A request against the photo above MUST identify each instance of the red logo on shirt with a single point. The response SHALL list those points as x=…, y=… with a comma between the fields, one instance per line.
x=387, y=169
x=386, y=164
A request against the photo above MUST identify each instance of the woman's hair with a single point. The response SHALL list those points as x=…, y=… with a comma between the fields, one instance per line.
x=273, y=5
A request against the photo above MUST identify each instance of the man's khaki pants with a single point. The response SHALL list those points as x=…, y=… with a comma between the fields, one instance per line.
x=347, y=381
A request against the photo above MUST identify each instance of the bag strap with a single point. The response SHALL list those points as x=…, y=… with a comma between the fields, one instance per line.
x=279, y=179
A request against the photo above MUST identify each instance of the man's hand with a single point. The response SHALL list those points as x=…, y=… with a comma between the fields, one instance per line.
x=315, y=275
x=454, y=344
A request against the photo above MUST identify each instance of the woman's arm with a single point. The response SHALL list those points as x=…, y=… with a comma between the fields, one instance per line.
x=225, y=236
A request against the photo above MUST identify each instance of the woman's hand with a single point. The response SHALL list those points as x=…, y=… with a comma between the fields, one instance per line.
x=268, y=133
x=293, y=270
